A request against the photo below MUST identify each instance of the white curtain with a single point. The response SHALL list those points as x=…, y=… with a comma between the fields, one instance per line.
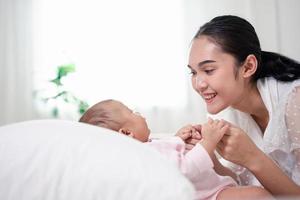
x=15, y=60
x=132, y=51
x=20, y=36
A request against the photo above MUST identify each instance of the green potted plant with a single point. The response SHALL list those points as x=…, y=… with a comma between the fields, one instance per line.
x=62, y=94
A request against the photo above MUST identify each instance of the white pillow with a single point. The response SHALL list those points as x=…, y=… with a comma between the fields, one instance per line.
x=64, y=160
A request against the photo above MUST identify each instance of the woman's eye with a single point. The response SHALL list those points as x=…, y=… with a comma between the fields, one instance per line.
x=209, y=71
x=192, y=73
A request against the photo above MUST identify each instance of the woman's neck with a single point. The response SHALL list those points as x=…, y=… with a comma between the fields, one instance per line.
x=253, y=104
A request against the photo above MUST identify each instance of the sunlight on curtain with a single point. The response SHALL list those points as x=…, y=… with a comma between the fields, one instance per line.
x=15, y=61
x=130, y=50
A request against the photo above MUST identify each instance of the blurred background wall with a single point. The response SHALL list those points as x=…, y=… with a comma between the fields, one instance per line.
x=135, y=51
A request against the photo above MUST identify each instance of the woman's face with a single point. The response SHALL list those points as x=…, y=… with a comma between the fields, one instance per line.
x=215, y=75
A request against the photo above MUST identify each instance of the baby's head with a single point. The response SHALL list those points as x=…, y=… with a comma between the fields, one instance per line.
x=116, y=116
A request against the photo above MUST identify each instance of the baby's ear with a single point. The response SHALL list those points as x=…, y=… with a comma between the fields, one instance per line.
x=127, y=132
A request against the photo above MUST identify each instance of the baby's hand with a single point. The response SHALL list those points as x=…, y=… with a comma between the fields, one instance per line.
x=212, y=132
x=190, y=135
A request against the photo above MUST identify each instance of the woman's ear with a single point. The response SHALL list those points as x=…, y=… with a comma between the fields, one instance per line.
x=126, y=132
x=249, y=66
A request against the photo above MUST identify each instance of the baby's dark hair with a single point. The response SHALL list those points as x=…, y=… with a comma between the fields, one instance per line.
x=103, y=114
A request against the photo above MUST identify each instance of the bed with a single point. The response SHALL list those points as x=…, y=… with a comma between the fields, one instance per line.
x=66, y=160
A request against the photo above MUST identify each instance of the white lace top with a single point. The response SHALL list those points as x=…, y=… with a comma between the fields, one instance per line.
x=281, y=139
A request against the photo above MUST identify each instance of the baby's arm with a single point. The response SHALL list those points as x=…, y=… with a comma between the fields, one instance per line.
x=212, y=132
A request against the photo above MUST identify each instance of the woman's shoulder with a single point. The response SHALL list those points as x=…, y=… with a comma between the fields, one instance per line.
x=270, y=82
x=275, y=90
x=282, y=101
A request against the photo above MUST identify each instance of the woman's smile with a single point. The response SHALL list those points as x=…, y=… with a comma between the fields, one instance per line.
x=209, y=97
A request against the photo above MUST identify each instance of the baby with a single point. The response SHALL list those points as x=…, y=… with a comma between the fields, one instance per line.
x=196, y=164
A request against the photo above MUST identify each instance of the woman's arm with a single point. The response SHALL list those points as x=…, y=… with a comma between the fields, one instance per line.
x=269, y=173
x=272, y=177
x=222, y=170
x=238, y=148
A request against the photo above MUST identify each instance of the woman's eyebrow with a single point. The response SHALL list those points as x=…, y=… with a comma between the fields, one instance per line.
x=200, y=64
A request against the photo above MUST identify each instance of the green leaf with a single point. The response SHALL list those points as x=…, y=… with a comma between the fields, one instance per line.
x=56, y=81
x=83, y=106
x=64, y=70
x=55, y=112
x=63, y=95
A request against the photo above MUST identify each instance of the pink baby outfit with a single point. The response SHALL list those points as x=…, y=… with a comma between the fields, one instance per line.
x=196, y=165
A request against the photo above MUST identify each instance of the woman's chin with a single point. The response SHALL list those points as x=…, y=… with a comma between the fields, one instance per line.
x=214, y=110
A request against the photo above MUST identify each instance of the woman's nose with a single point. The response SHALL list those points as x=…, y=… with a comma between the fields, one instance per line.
x=200, y=84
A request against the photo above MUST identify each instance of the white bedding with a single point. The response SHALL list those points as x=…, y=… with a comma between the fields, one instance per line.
x=64, y=160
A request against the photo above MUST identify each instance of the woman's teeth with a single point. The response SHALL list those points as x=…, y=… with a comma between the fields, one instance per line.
x=210, y=96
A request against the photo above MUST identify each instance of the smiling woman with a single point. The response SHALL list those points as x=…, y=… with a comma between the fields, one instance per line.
x=260, y=88
x=214, y=69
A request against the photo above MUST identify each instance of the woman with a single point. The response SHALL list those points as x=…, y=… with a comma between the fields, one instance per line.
x=262, y=91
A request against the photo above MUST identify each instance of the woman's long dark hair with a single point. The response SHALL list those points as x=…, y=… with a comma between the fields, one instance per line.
x=237, y=37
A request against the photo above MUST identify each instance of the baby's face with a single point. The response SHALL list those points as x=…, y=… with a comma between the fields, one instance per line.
x=136, y=122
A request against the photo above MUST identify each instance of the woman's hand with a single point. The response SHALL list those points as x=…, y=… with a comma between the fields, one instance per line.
x=237, y=147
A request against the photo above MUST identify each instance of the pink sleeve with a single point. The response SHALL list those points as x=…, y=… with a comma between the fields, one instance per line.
x=191, y=164
x=196, y=165
x=199, y=170
x=196, y=161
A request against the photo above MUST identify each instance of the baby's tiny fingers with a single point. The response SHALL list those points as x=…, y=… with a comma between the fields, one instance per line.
x=192, y=141
x=189, y=146
x=210, y=120
x=196, y=135
x=221, y=123
x=198, y=127
x=187, y=134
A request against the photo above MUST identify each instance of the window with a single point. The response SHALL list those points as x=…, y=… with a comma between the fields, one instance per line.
x=132, y=51
x=128, y=50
